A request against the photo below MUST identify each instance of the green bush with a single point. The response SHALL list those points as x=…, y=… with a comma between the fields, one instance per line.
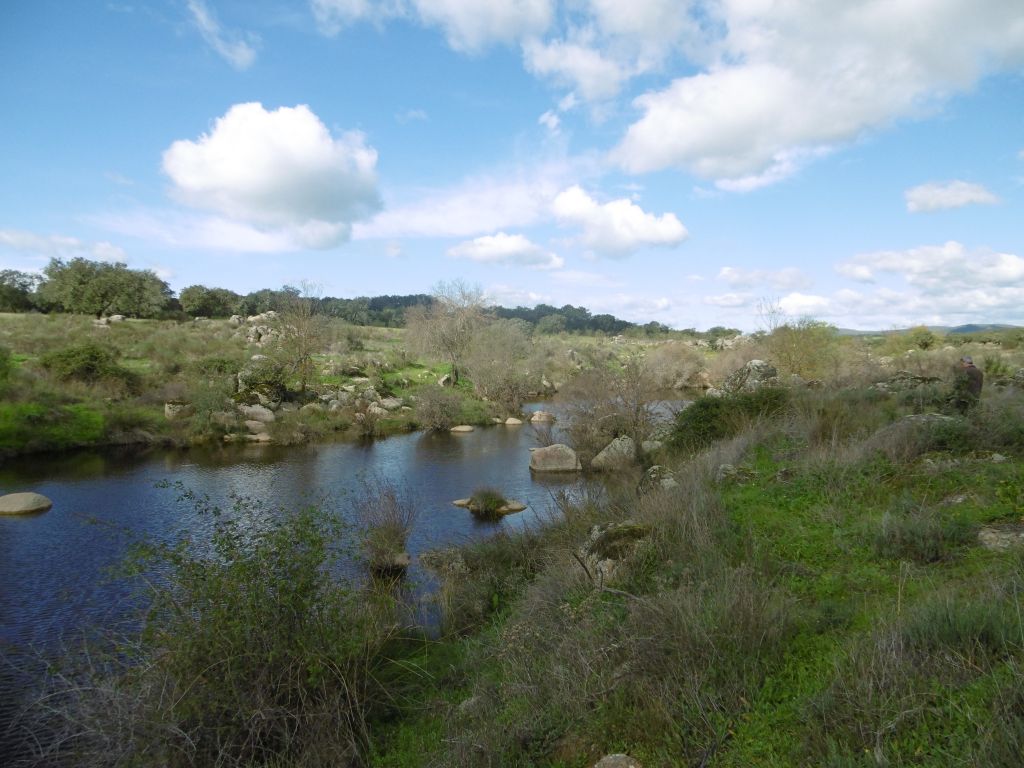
x=251, y=650
x=709, y=419
x=89, y=363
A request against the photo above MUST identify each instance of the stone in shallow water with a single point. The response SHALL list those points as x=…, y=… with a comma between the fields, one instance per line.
x=462, y=428
x=24, y=504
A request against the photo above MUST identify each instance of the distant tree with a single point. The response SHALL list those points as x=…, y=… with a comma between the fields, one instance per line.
x=445, y=328
x=200, y=301
x=16, y=289
x=551, y=324
x=806, y=347
x=498, y=362
x=922, y=337
x=98, y=288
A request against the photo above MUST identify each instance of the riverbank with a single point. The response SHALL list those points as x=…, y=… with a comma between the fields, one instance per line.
x=836, y=582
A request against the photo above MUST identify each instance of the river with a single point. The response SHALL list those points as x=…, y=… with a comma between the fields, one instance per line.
x=55, y=578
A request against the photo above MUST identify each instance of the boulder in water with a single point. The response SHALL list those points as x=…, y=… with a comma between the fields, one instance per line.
x=554, y=458
x=24, y=504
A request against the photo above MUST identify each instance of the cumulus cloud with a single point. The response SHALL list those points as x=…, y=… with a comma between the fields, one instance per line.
x=507, y=249
x=58, y=246
x=616, y=228
x=780, y=279
x=791, y=80
x=476, y=205
x=940, y=196
x=239, y=53
x=802, y=305
x=278, y=171
x=580, y=66
x=944, y=269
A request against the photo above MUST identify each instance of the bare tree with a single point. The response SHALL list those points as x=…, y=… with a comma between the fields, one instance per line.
x=303, y=329
x=445, y=328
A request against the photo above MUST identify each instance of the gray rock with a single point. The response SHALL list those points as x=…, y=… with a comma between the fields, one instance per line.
x=255, y=427
x=1002, y=537
x=554, y=458
x=617, y=761
x=658, y=477
x=257, y=413
x=116, y=318
x=311, y=408
x=512, y=421
x=391, y=403
x=26, y=503
x=650, y=446
x=752, y=376
x=462, y=429
x=539, y=417
x=619, y=453
x=175, y=411
x=375, y=410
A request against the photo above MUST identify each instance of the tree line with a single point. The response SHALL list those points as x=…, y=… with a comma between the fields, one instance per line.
x=81, y=286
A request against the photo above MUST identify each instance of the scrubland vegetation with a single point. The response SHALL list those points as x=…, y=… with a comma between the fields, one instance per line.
x=822, y=569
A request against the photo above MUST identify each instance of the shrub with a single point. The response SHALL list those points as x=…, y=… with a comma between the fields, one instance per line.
x=709, y=419
x=251, y=652
x=485, y=503
x=89, y=363
x=6, y=364
x=917, y=533
x=437, y=408
x=387, y=516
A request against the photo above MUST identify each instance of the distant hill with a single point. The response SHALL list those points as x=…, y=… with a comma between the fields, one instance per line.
x=944, y=329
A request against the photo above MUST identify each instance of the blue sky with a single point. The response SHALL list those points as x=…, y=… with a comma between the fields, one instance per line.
x=670, y=160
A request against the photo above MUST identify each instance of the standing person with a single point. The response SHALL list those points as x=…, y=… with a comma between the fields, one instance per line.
x=967, y=389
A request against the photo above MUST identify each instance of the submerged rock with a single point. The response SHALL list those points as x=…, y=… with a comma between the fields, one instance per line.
x=462, y=429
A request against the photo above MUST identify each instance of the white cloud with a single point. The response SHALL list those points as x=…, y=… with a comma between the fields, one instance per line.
x=195, y=232
x=730, y=300
x=576, y=65
x=58, y=246
x=789, y=80
x=475, y=206
x=802, y=304
x=945, y=269
x=619, y=227
x=782, y=279
x=470, y=25
x=551, y=121
x=280, y=171
x=334, y=15
x=948, y=194
x=860, y=272
x=240, y=54
x=507, y=249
